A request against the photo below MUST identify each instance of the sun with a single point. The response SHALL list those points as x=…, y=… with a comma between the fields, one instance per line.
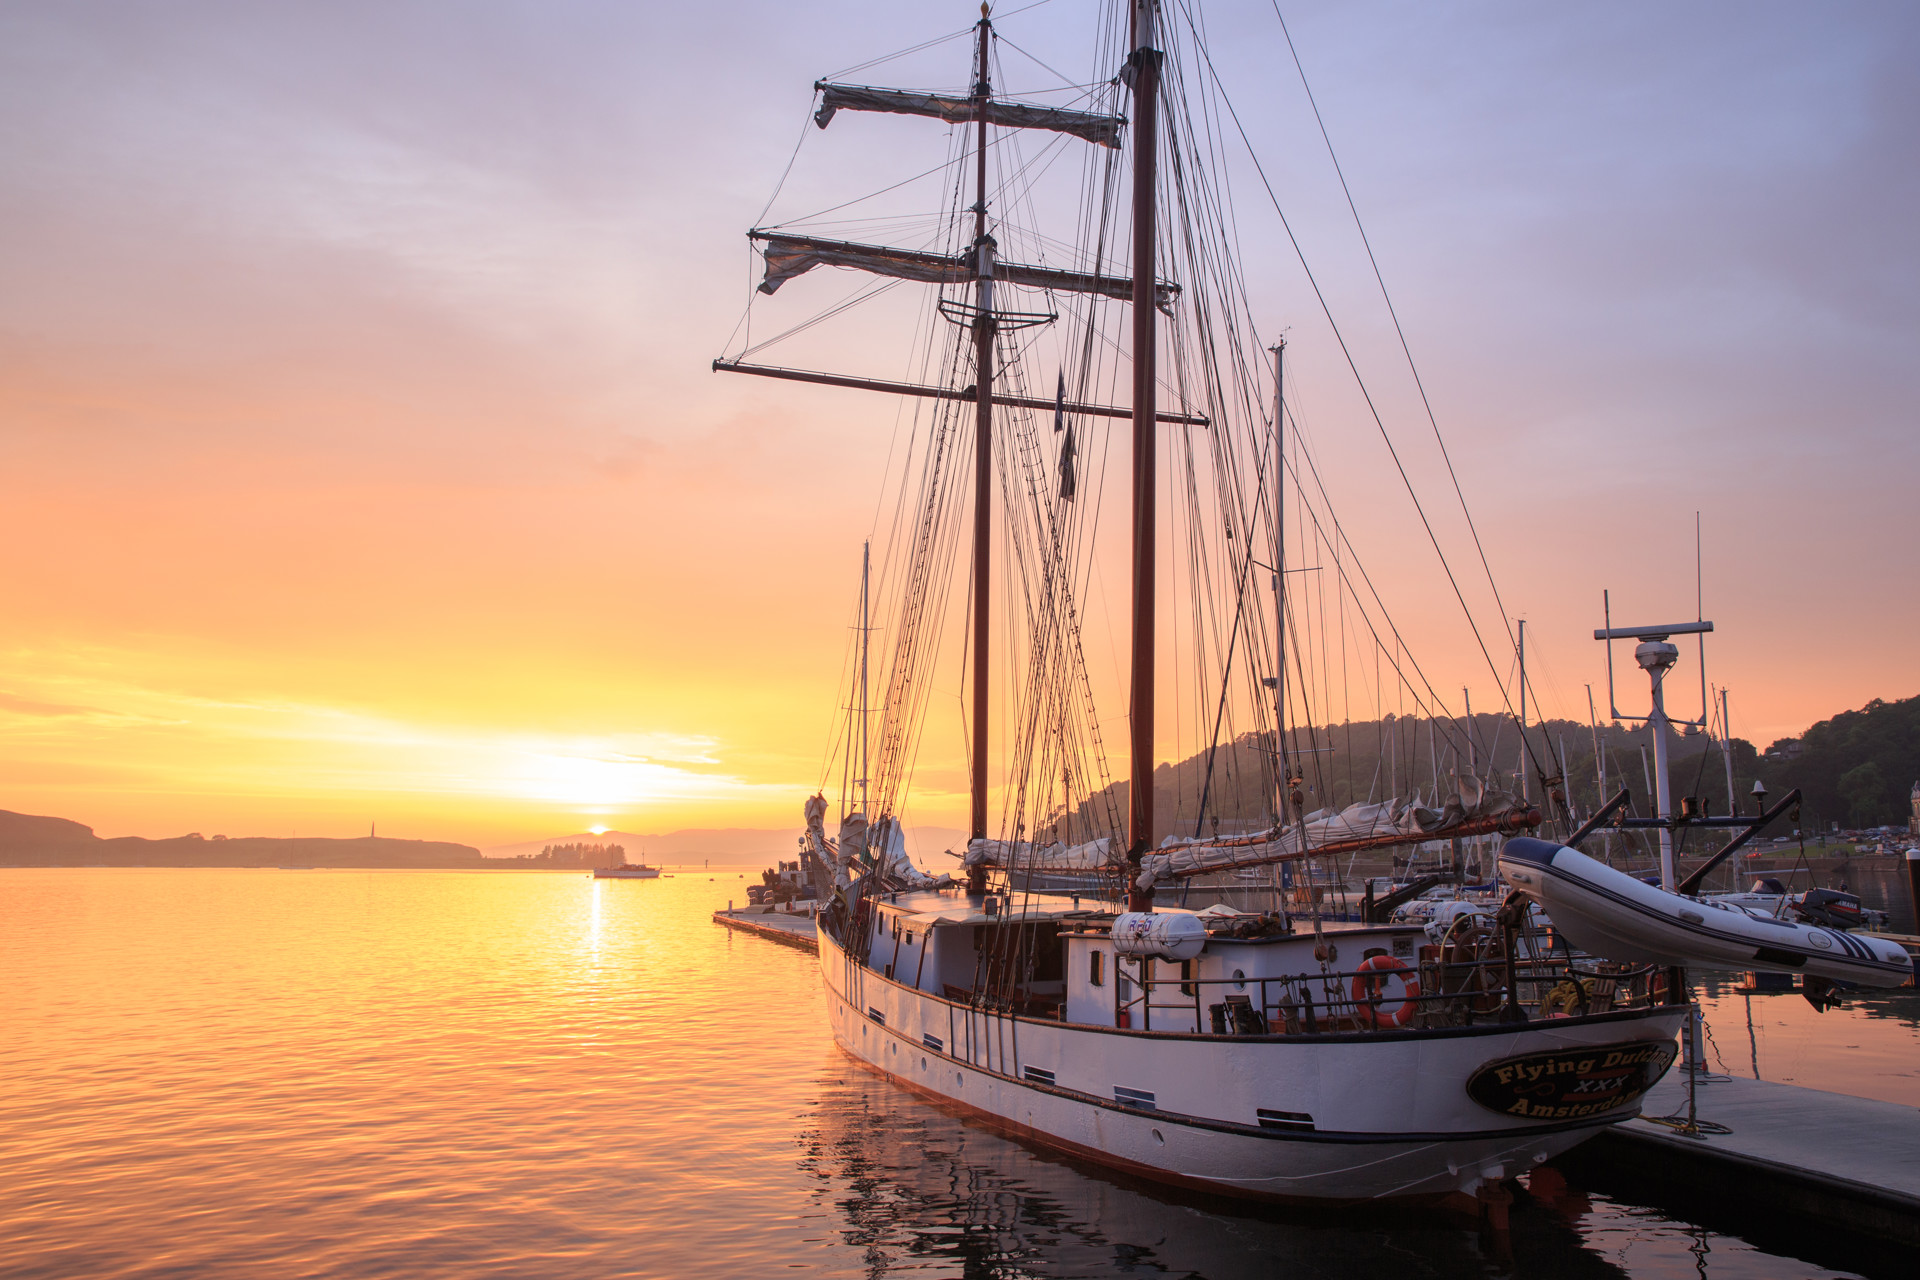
x=598, y=831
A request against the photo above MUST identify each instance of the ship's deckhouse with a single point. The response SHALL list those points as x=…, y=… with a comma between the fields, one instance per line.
x=1055, y=957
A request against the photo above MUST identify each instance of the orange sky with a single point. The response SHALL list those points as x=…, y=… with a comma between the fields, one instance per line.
x=359, y=460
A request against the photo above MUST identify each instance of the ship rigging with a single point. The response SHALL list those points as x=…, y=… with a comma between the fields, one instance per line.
x=1213, y=1049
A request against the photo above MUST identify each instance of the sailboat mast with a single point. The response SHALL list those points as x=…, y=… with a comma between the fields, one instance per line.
x=1726, y=754
x=1282, y=767
x=1145, y=68
x=1522, y=767
x=983, y=335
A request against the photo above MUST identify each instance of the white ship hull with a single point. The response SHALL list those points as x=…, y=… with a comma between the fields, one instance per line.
x=1390, y=1113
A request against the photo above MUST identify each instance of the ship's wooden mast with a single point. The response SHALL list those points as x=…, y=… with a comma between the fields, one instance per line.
x=983, y=337
x=1145, y=68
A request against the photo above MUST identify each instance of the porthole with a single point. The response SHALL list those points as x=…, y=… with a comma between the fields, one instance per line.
x=1239, y=980
x=1158, y=1139
x=923, y=1064
x=958, y=1080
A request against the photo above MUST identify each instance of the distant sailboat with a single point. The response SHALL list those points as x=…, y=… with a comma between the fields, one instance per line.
x=624, y=870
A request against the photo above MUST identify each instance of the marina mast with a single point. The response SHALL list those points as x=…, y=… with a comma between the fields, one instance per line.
x=1282, y=768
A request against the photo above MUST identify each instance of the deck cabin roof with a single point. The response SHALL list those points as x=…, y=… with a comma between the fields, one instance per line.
x=933, y=908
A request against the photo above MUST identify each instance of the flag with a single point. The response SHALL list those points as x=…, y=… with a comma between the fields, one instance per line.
x=1066, y=446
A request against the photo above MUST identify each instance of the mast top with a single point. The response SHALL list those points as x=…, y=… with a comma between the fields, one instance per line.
x=1143, y=14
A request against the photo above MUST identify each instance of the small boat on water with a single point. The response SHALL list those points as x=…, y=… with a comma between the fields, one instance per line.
x=627, y=871
x=1835, y=908
x=1610, y=913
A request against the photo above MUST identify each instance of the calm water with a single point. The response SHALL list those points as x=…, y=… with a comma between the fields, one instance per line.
x=266, y=1073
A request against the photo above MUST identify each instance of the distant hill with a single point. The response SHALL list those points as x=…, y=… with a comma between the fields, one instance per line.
x=30, y=841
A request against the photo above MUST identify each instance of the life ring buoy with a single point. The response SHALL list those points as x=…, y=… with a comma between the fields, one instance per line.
x=1368, y=1004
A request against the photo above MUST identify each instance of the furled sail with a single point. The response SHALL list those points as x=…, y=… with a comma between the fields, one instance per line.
x=890, y=840
x=852, y=848
x=1092, y=857
x=1473, y=809
x=1103, y=130
x=789, y=256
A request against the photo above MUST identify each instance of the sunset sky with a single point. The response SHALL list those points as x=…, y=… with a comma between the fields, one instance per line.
x=360, y=460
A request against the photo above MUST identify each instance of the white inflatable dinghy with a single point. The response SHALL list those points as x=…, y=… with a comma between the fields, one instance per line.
x=1614, y=916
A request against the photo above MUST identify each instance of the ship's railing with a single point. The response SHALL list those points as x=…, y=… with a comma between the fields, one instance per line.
x=1434, y=991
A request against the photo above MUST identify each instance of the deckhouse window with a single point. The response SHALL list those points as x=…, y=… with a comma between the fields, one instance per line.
x=1096, y=968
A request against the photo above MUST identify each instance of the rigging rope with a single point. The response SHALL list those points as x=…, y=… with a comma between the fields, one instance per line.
x=1347, y=355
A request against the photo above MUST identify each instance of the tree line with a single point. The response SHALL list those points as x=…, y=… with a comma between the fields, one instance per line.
x=576, y=855
x=1855, y=769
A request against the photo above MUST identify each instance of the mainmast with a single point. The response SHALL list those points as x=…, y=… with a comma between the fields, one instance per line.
x=1144, y=70
x=983, y=338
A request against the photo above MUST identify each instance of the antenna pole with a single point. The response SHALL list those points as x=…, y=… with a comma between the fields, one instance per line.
x=1657, y=658
x=1144, y=67
x=983, y=336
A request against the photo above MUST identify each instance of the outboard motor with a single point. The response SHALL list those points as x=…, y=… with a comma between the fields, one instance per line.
x=1829, y=907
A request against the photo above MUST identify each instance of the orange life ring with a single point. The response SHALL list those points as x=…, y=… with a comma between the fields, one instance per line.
x=1367, y=1004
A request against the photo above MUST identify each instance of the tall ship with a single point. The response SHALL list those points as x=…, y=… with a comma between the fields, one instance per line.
x=1059, y=982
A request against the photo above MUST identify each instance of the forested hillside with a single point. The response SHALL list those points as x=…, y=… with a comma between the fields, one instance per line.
x=1856, y=769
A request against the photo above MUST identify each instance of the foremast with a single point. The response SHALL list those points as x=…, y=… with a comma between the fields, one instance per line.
x=789, y=255
x=984, y=331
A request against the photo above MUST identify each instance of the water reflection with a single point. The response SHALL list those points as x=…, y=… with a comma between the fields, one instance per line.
x=1864, y=1048
x=917, y=1189
x=341, y=1075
